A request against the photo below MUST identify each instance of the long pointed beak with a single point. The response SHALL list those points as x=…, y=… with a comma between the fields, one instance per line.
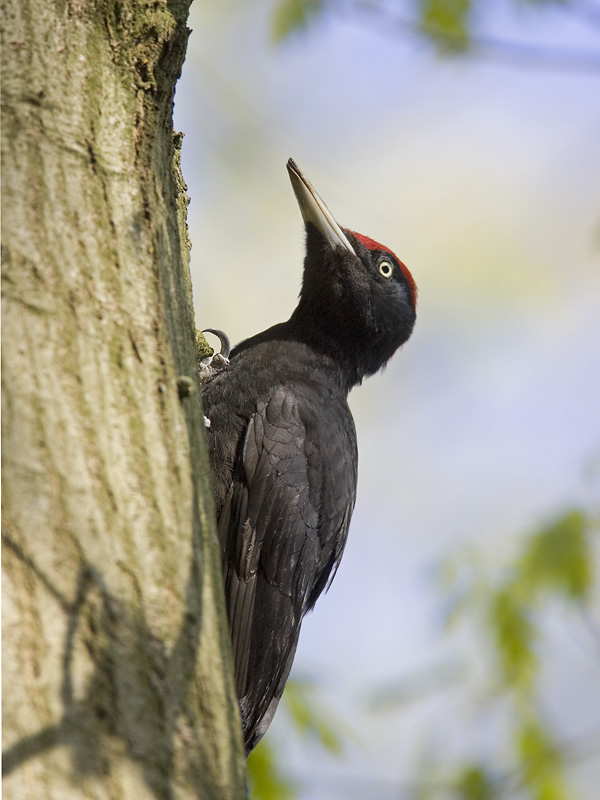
x=314, y=209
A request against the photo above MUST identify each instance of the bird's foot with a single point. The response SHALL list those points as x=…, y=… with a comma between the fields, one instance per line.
x=209, y=362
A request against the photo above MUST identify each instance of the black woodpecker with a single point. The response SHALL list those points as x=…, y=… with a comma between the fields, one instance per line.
x=283, y=445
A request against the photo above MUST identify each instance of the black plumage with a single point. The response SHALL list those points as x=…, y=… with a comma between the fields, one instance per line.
x=283, y=445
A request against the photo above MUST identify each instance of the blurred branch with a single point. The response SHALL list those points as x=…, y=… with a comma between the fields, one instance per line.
x=510, y=53
x=586, y=10
x=449, y=30
x=416, y=687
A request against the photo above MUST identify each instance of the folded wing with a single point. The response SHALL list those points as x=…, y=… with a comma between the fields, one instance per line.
x=282, y=527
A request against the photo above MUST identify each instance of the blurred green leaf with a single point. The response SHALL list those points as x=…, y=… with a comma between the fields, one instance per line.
x=558, y=557
x=541, y=762
x=447, y=21
x=291, y=16
x=475, y=783
x=265, y=778
x=295, y=698
x=309, y=718
x=513, y=634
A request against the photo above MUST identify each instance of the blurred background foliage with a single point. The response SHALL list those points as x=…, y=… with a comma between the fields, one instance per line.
x=507, y=608
x=457, y=655
x=446, y=24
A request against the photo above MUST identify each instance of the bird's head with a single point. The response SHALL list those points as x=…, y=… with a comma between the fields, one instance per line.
x=356, y=296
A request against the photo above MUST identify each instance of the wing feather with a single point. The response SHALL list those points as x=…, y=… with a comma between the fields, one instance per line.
x=282, y=529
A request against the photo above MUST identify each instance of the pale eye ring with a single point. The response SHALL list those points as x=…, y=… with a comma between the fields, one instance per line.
x=386, y=269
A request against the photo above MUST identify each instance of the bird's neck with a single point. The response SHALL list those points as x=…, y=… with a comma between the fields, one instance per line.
x=337, y=343
x=305, y=347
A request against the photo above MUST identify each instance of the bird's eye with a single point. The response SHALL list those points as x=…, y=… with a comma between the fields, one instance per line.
x=386, y=269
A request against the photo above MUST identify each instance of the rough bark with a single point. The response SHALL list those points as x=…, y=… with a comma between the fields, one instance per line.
x=116, y=664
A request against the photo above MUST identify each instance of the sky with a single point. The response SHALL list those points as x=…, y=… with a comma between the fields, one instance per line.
x=483, y=175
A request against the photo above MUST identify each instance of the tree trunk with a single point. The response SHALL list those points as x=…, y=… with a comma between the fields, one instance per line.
x=116, y=662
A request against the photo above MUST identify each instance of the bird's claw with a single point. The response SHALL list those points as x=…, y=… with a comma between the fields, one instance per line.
x=224, y=339
x=211, y=364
